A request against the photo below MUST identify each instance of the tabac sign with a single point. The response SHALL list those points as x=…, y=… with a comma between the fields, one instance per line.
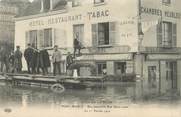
x=70, y=18
x=159, y=12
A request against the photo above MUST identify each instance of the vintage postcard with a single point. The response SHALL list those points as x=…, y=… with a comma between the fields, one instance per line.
x=67, y=58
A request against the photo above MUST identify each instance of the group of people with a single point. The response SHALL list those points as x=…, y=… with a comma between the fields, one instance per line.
x=37, y=60
x=11, y=60
x=40, y=59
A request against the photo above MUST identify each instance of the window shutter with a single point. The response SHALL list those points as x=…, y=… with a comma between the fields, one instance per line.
x=27, y=38
x=41, y=38
x=174, y=35
x=112, y=33
x=159, y=35
x=94, y=35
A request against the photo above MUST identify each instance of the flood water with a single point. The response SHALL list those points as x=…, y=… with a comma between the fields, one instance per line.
x=119, y=93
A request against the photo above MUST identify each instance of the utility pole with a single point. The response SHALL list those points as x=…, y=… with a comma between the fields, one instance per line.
x=140, y=32
x=139, y=57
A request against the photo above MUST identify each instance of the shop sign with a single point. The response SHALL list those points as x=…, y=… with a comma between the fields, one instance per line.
x=159, y=12
x=70, y=18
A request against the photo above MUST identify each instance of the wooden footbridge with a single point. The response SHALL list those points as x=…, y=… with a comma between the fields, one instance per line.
x=56, y=83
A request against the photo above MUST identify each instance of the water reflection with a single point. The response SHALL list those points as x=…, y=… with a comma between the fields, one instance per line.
x=30, y=97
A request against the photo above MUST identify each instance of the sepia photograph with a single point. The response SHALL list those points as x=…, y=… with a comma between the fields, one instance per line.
x=67, y=58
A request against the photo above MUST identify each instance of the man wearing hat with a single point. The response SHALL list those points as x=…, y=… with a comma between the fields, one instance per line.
x=4, y=58
x=56, y=59
x=18, y=59
x=28, y=54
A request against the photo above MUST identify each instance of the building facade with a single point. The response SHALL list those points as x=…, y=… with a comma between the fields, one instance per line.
x=110, y=32
x=8, y=10
x=7, y=25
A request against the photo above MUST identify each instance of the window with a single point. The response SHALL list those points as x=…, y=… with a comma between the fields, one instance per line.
x=48, y=40
x=78, y=32
x=103, y=34
x=167, y=34
x=46, y=5
x=75, y=3
x=152, y=76
x=98, y=1
x=101, y=68
x=40, y=38
x=31, y=38
x=120, y=68
x=171, y=73
x=166, y=1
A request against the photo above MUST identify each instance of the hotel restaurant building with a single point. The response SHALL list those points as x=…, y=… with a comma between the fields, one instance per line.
x=121, y=36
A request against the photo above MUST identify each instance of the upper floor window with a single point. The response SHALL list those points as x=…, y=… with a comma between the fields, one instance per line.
x=103, y=33
x=166, y=1
x=98, y=1
x=167, y=34
x=75, y=3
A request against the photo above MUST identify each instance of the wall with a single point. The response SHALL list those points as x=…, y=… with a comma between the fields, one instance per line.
x=126, y=33
x=150, y=37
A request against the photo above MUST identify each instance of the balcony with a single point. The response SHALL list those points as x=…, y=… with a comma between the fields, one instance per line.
x=155, y=50
x=96, y=50
x=106, y=50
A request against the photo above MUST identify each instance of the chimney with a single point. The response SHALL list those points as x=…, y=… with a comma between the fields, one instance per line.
x=51, y=4
x=69, y=4
x=46, y=5
x=42, y=6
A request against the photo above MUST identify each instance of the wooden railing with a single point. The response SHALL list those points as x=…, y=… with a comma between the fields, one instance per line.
x=97, y=50
x=106, y=49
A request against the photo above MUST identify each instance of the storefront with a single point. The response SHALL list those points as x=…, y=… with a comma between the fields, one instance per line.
x=110, y=37
x=161, y=72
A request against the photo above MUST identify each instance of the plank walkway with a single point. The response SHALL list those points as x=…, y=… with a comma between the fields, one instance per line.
x=40, y=80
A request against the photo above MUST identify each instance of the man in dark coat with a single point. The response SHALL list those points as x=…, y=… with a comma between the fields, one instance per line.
x=11, y=62
x=69, y=60
x=4, y=57
x=44, y=61
x=18, y=59
x=34, y=61
x=28, y=54
x=77, y=45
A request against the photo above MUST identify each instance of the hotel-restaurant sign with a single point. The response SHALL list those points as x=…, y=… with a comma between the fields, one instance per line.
x=70, y=18
x=159, y=12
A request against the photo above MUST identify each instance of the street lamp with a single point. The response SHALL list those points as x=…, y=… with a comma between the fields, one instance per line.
x=140, y=32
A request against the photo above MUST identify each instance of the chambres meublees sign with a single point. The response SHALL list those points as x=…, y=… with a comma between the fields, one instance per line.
x=62, y=18
x=161, y=12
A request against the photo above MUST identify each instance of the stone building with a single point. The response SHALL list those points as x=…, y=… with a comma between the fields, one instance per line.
x=8, y=10
x=122, y=36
